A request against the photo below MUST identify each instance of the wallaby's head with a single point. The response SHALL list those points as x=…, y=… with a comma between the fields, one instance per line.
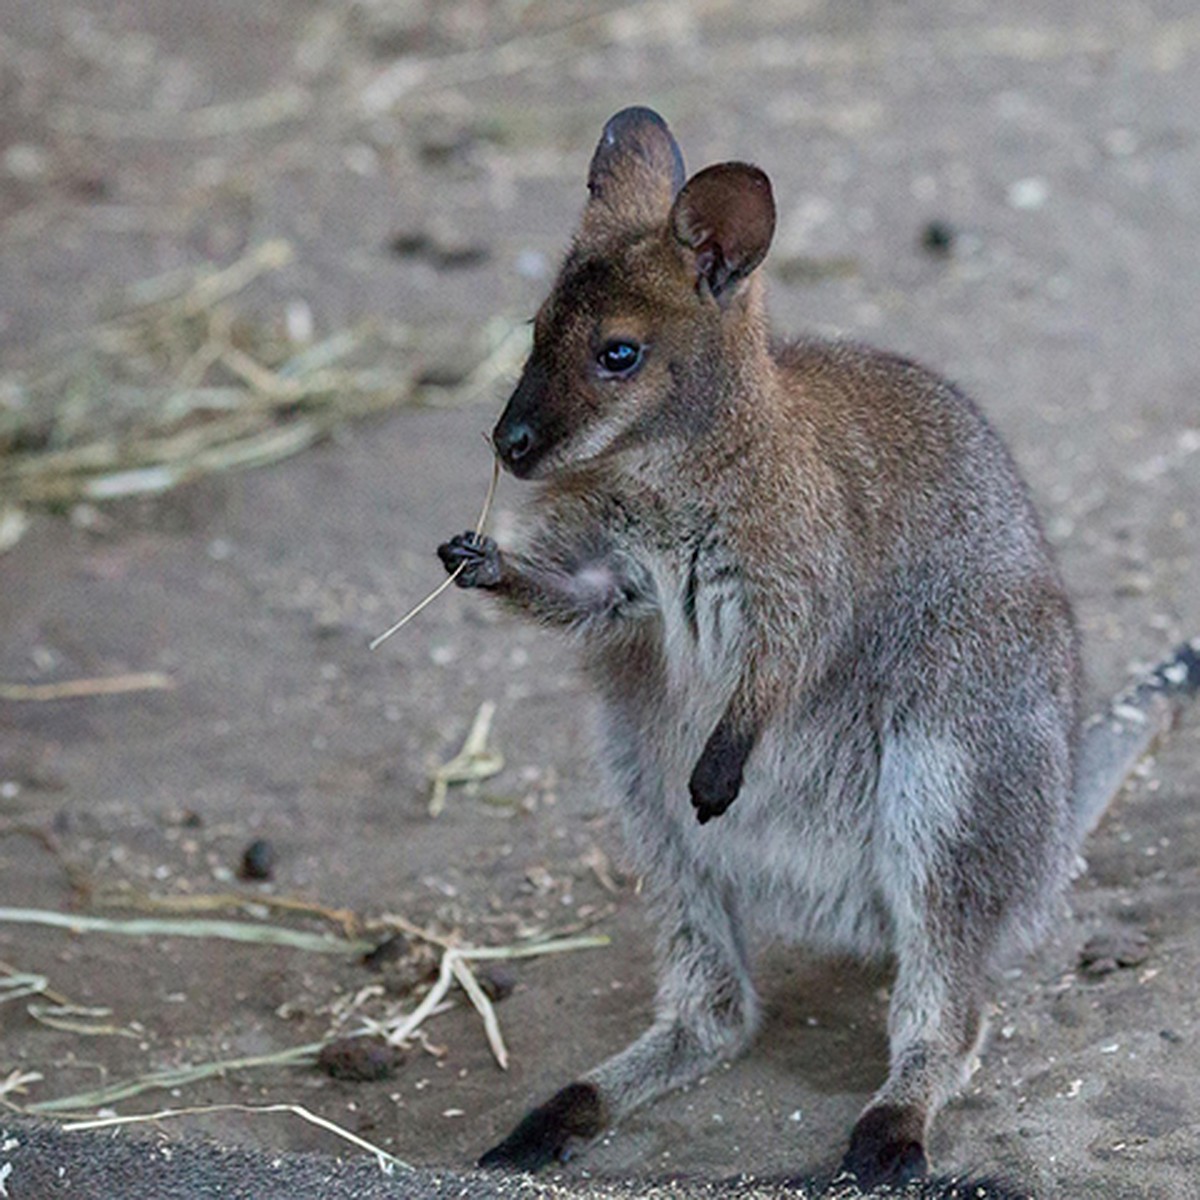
x=651, y=310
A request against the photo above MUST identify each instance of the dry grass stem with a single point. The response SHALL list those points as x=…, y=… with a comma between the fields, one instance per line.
x=387, y=1162
x=74, y=689
x=231, y=931
x=480, y=525
x=11, y=974
x=75, y=1018
x=483, y=1006
x=175, y=1077
x=15, y=1082
x=345, y=919
x=471, y=764
x=19, y=985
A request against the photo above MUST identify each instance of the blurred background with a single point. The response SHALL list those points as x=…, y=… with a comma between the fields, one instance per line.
x=303, y=236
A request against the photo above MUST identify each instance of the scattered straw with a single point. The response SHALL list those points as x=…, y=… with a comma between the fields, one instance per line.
x=387, y=1162
x=76, y=1018
x=15, y=1084
x=454, y=968
x=471, y=764
x=480, y=525
x=175, y=1077
x=345, y=919
x=73, y=689
x=179, y=385
x=398, y=1031
x=231, y=931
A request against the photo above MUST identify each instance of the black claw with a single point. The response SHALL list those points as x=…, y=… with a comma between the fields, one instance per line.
x=886, y=1148
x=546, y=1134
x=478, y=557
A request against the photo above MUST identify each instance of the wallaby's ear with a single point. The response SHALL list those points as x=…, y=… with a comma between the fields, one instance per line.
x=725, y=217
x=636, y=172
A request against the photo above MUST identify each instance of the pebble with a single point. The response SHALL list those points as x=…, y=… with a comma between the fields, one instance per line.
x=258, y=861
x=498, y=982
x=359, y=1059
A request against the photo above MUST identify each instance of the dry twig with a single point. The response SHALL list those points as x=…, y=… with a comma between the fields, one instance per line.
x=480, y=525
x=387, y=1162
x=471, y=764
x=74, y=689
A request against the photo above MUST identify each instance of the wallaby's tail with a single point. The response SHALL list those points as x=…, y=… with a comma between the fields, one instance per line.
x=1114, y=740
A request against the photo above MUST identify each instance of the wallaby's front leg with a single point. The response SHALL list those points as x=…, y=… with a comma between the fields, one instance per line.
x=707, y=1011
x=595, y=587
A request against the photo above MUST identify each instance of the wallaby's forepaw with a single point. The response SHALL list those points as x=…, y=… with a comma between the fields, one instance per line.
x=547, y=1134
x=886, y=1147
x=717, y=777
x=477, y=554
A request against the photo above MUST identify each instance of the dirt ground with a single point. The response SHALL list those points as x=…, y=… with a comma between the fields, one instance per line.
x=427, y=161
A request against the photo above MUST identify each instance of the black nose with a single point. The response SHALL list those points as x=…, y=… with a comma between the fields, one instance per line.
x=513, y=442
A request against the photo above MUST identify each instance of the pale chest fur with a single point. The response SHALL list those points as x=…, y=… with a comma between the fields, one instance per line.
x=792, y=851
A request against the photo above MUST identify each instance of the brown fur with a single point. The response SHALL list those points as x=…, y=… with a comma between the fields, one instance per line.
x=822, y=622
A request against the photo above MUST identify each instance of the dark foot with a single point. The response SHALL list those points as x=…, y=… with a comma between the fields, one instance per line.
x=886, y=1147
x=717, y=778
x=477, y=554
x=546, y=1135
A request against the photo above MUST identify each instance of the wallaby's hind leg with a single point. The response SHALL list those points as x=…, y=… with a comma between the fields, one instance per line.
x=968, y=847
x=707, y=1011
x=935, y=1025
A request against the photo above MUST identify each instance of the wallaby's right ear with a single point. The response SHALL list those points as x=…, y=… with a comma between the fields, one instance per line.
x=725, y=219
x=636, y=172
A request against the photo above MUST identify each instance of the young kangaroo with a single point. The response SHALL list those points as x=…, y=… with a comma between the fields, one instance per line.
x=837, y=667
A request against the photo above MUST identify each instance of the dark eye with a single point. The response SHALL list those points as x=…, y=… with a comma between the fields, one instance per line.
x=620, y=357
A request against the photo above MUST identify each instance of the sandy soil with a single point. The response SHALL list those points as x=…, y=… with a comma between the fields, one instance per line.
x=1061, y=146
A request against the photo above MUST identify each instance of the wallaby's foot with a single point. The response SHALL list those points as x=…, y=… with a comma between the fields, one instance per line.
x=547, y=1134
x=717, y=777
x=477, y=554
x=886, y=1147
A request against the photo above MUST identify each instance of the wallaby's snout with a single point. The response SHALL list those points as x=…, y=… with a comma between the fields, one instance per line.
x=513, y=440
x=524, y=431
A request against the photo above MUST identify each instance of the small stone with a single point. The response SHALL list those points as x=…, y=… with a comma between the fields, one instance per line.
x=390, y=950
x=937, y=238
x=258, y=861
x=359, y=1060
x=498, y=982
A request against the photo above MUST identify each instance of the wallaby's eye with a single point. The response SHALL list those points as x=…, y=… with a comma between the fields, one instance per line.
x=620, y=358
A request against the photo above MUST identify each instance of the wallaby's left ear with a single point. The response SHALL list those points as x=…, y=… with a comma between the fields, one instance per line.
x=725, y=217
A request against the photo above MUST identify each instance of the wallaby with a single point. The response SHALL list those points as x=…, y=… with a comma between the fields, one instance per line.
x=838, y=670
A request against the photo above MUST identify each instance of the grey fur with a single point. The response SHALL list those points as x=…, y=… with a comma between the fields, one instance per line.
x=828, y=547
x=926, y=741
